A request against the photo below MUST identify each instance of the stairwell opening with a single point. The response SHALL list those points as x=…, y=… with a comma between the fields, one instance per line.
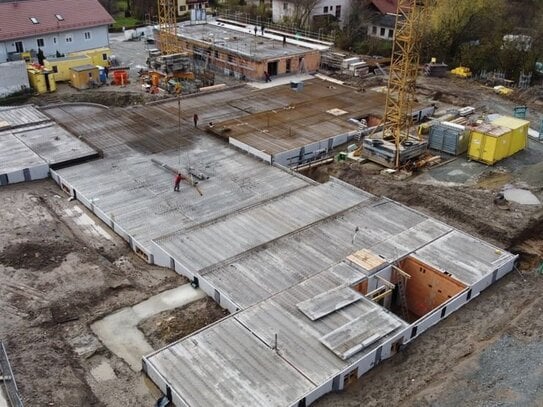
x=424, y=287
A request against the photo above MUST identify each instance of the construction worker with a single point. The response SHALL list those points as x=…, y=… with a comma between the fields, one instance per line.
x=256, y=30
x=195, y=118
x=177, y=181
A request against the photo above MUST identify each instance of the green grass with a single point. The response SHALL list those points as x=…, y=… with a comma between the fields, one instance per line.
x=127, y=22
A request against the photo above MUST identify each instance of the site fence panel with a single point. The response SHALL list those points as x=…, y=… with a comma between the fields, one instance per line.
x=8, y=380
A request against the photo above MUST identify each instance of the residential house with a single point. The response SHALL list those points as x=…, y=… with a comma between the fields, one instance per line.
x=383, y=20
x=185, y=6
x=337, y=9
x=55, y=26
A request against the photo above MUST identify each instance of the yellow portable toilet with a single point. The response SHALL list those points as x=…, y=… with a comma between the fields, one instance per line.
x=519, y=137
x=84, y=76
x=41, y=80
x=490, y=143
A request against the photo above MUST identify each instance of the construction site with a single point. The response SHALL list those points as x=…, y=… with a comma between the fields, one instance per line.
x=334, y=239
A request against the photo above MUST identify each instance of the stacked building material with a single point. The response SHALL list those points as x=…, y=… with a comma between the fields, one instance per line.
x=172, y=63
x=449, y=137
x=435, y=69
x=359, y=68
x=332, y=60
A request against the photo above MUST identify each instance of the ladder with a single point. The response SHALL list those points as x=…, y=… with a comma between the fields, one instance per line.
x=400, y=285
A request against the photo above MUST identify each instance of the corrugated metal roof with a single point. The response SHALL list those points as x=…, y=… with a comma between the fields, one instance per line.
x=15, y=17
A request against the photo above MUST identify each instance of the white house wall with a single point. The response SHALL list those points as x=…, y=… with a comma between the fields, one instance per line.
x=282, y=9
x=57, y=42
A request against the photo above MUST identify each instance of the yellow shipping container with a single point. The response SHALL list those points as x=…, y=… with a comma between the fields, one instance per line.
x=61, y=66
x=519, y=127
x=98, y=56
x=41, y=80
x=490, y=143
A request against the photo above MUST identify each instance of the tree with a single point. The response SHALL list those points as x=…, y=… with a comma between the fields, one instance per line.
x=453, y=23
x=355, y=28
x=302, y=11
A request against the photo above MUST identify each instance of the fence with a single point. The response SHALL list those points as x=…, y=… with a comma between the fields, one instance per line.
x=6, y=376
x=246, y=18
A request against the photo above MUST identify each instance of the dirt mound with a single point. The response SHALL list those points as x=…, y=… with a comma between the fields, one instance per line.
x=170, y=326
x=35, y=256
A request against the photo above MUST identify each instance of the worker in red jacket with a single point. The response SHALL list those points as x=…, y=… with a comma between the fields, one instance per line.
x=177, y=181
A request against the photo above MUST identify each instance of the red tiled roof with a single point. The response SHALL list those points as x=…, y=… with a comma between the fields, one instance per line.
x=15, y=17
x=386, y=6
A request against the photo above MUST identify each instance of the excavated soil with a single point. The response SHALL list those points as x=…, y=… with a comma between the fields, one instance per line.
x=170, y=326
x=468, y=208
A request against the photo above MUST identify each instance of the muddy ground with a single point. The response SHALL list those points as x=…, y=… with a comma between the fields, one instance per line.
x=59, y=274
x=170, y=326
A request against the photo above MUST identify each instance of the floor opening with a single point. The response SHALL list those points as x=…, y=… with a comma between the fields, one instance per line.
x=419, y=289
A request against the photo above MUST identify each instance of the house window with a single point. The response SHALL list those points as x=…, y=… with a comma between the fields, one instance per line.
x=68, y=38
x=338, y=12
x=285, y=6
x=390, y=33
x=55, y=69
x=182, y=8
x=87, y=35
x=191, y=6
x=41, y=42
x=59, y=17
x=19, y=46
x=382, y=32
x=216, y=54
x=287, y=68
x=230, y=58
x=34, y=20
x=325, y=9
x=104, y=57
x=374, y=30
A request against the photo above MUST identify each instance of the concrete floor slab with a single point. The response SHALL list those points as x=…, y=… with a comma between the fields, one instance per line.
x=119, y=332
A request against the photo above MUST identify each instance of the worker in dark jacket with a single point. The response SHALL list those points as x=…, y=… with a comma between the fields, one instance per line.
x=178, y=179
x=195, y=118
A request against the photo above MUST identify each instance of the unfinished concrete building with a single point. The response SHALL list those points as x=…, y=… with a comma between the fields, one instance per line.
x=323, y=281
x=31, y=143
x=243, y=54
x=305, y=124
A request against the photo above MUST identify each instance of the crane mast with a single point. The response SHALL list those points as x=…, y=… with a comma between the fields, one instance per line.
x=403, y=72
x=167, y=22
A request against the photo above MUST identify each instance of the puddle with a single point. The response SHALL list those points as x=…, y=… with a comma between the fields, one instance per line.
x=119, y=332
x=521, y=196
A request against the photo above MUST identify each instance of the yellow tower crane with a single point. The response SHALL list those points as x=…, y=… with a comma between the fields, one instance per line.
x=403, y=73
x=167, y=22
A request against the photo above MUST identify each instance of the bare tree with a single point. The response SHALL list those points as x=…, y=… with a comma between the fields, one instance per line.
x=302, y=12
